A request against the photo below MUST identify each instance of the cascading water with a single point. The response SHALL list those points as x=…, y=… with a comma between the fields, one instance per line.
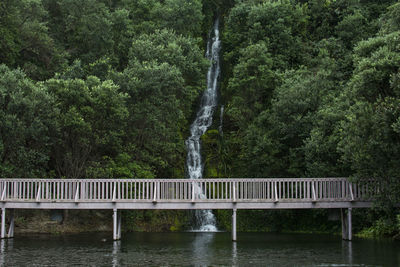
x=205, y=219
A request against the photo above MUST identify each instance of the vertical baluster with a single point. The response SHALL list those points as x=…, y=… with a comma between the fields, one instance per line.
x=142, y=190
x=125, y=186
x=148, y=195
x=335, y=189
x=23, y=185
x=279, y=190
x=298, y=189
x=180, y=191
x=329, y=189
x=147, y=190
x=225, y=193
x=28, y=190
x=62, y=190
x=102, y=192
x=283, y=189
x=246, y=190
x=91, y=185
x=20, y=196
x=129, y=190
x=230, y=190
x=162, y=186
x=188, y=190
x=265, y=184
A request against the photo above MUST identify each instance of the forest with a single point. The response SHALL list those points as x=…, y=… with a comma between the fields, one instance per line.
x=109, y=88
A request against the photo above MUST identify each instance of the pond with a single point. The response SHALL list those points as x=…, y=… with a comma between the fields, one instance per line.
x=196, y=249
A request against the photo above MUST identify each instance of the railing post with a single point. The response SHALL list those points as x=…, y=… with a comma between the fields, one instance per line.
x=234, y=191
x=313, y=191
x=155, y=192
x=351, y=191
x=276, y=192
x=39, y=192
x=193, y=192
x=77, y=192
x=3, y=195
x=114, y=192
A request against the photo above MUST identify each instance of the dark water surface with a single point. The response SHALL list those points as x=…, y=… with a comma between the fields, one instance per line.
x=196, y=249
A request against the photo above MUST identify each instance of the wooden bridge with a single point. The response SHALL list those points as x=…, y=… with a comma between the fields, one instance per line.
x=233, y=194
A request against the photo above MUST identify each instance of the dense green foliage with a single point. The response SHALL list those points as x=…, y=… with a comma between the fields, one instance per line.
x=96, y=88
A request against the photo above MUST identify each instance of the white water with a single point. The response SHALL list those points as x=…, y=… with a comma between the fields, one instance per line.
x=205, y=219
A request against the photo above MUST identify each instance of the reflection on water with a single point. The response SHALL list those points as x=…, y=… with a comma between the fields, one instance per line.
x=115, y=252
x=347, y=251
x=234, y=254
x=196, y=249
x=2, y=251
x=200, y=247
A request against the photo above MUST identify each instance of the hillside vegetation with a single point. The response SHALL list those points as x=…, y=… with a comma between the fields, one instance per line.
x=108, y=89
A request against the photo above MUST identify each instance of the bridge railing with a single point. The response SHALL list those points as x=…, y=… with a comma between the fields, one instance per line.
x=232, y=190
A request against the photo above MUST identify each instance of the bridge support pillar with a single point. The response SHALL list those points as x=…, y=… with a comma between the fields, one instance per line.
x=234, y=225
x=347, y=231
x=11, y=228
x=3, y=223
x=116, y=224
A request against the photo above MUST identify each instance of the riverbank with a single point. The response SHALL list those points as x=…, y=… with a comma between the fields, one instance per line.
x=78, y=221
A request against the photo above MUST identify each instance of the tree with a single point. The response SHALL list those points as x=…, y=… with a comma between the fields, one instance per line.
x=183, y=16
x=26, y=41
x=251, y=85
x=370, y=139
x=165, y=46
x=90, y=123
x=84, y=28
x=155, y=123
x=27, y=125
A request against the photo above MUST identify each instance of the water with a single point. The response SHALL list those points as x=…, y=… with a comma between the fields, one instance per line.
x=204, y=218
x=196, y=249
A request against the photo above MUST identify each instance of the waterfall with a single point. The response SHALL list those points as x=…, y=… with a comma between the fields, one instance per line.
x=205, y=219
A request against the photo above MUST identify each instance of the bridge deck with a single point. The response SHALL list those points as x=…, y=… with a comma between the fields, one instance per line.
x=234, y=194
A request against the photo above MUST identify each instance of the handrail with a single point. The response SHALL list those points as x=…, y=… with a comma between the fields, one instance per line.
x=186, y=190
x=170, y=179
